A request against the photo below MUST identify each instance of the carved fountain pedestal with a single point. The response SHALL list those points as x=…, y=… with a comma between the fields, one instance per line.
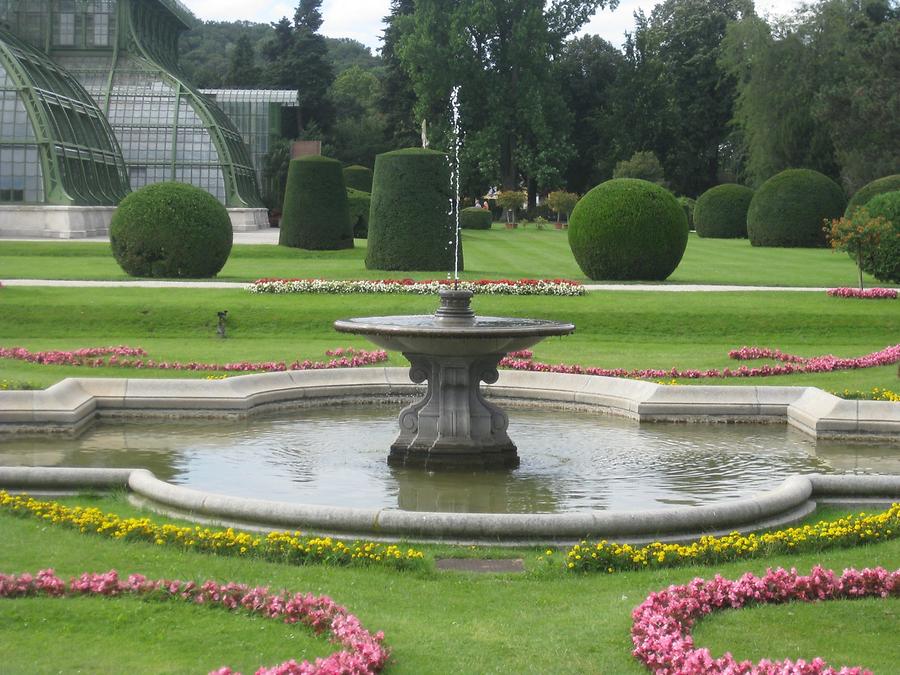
x=454, y=350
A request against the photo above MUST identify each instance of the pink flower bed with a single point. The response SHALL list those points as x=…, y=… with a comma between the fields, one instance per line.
x=132, y=357
x=363, y=651
x=791, y=364
x=661, y=631
x=869, y=293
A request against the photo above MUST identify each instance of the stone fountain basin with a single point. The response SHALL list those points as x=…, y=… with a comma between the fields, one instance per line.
x=425, y=334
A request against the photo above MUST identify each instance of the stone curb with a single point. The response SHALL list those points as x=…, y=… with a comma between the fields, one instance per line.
x=786, y=503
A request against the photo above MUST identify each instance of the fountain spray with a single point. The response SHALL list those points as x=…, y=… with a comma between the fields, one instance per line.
x=454, y=180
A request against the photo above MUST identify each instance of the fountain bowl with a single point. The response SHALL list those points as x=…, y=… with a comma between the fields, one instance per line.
x=453, y=426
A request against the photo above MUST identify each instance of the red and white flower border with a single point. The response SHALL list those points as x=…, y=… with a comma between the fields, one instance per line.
x=661, y=629
x=363, y=651
x=411, y=286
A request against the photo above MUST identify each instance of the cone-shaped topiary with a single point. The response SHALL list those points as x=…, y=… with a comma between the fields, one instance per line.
x=721, y=211
x=475, y=218
x=170, y=230
x=359, y=203
x=885, y=264
x=409, y=228
x=627, y=228
x=358, y=177
x=790, y=209
x=315, y=214
x=866, y=192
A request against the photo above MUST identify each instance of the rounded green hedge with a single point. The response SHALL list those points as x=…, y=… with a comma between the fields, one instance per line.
x=409, y=228
x=866, y=192
x=358, y=177
x=171, y=230
x=721, y=211
x=475, y=218
x=315, y=216
x=790, y=209
x=627, y=228
x=358, y=203
x=885, y=264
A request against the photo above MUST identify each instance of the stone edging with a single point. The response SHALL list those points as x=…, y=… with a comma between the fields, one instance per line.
x=72, y=404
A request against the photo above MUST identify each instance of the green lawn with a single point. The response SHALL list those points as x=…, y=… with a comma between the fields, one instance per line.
x=546, y=620
x=496, y=253
x=614, y=329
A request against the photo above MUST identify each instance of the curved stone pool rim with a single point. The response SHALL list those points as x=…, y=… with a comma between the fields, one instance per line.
x=72, y=404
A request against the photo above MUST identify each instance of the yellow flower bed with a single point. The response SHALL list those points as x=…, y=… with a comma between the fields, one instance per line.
x=291, y=547
x=877, y=394
x=610, y=557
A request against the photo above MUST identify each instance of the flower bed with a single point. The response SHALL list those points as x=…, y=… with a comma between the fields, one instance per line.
x=288, y=547
x=608, y=557
x=363, y=651
x=132, y=357
x=431, y=287
x=877, y=394
x=792, y=364
x=661, y=629
x=869, y=293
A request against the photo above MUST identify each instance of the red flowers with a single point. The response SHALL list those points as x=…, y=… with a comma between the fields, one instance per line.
x=661, y=632
x=363, y=652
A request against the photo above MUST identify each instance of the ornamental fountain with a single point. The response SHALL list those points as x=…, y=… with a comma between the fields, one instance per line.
x=453, y=426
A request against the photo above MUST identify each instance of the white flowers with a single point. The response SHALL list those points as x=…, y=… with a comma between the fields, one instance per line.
x=483, y=286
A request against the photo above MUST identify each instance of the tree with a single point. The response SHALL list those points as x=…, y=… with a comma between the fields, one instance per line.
x=397, y=96
x=500, y=51
x=242, y=69
x=297, y=59
x=587, y=71
x=860, y=235
x=358, y=134
x=562, y=202
x=510, y=200
x=643, y=165
x=674, y=96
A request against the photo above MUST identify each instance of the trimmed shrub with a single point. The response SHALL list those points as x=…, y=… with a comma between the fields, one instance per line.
x=688, y=205
x=358, y=202
x=171, y=230
x=866, y=192
x=358, y=177
x=790, y=209
x=885, y=264
x=315, y=214
x=627, y=228
x=409, y=228
x=721, y=211
x=475, y=218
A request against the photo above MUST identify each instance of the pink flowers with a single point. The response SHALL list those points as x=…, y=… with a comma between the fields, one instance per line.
x=487, y=286
x=363, y=651
x=869, y=293
x=661, y=631
x=792, y=364
x=346, y=357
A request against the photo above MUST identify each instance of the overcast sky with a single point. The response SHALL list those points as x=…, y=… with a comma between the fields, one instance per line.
x=361, y=19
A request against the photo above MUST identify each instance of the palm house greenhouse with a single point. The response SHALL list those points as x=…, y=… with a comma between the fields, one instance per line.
x=94, y=104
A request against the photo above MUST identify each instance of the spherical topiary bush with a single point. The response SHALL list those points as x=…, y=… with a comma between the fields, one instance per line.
x=790, y=209
x=358, y=203
x=885, y=264
x=721, y=212
x=358, y=177
x=475, y=218
x=315, y=216
x=409, y=228
x=627, y=228
x=866, y=192
x=170, y=230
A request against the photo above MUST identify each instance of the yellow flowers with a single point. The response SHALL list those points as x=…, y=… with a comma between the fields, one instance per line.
x=611, y=557
x=291, y=547
x=877, y=394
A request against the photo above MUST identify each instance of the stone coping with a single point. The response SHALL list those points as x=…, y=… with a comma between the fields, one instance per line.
x=72, y=404
x=786, y=503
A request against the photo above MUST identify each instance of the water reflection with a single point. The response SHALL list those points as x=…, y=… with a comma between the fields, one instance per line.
x=569, y=460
